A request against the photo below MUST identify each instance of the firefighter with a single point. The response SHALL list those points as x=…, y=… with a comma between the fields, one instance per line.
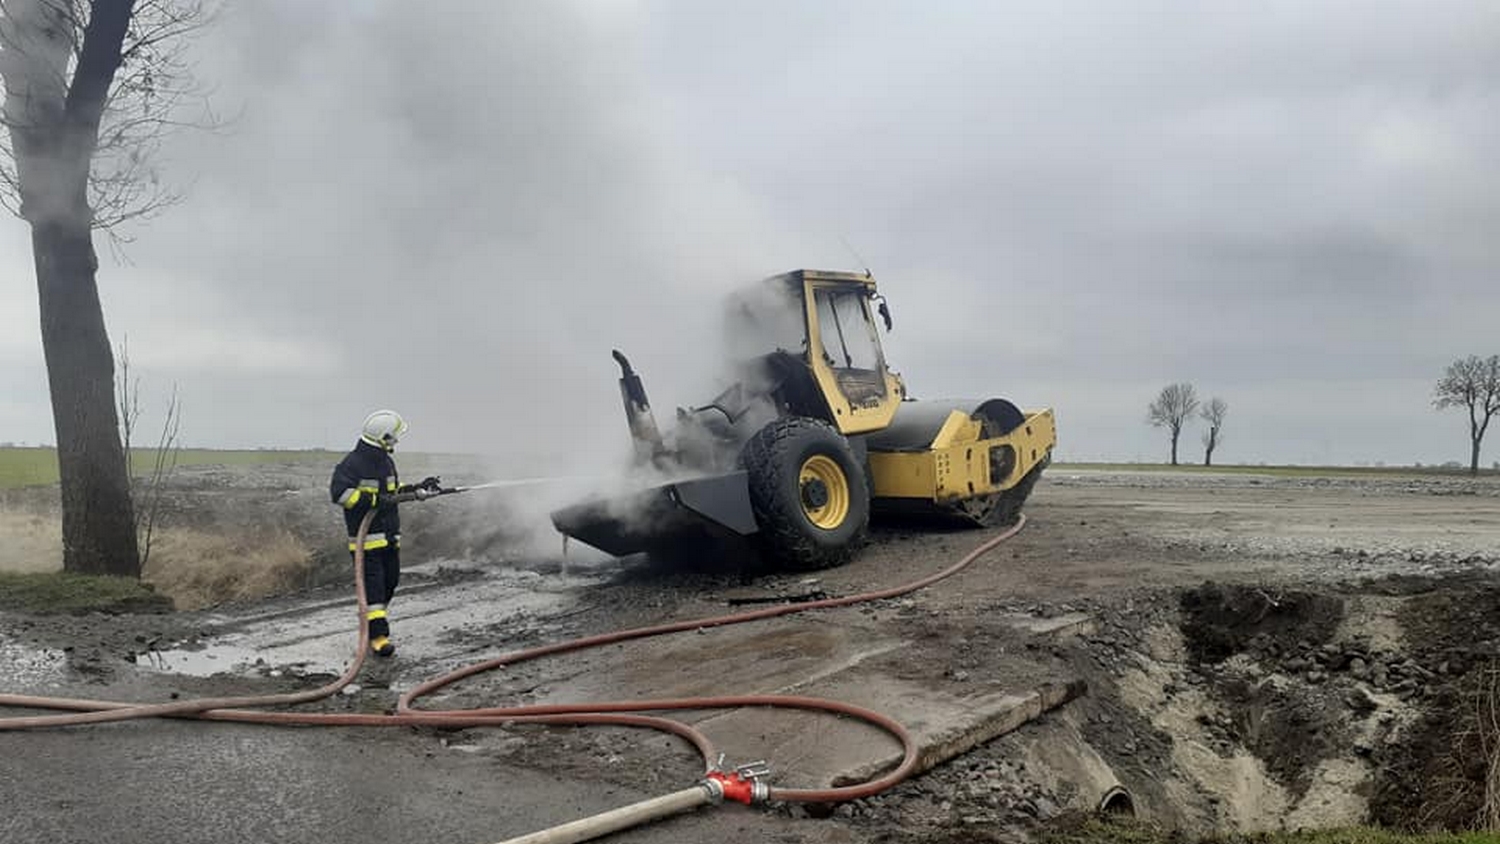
x=366, y=478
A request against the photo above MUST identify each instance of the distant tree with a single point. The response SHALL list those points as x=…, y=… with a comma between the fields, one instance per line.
x=1213, y=413
x=1472, y=383
x=1174, y=405
x=90, y=88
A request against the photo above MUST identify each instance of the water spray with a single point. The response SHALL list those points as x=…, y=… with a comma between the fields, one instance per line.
x=517, y=482
x=422, y=493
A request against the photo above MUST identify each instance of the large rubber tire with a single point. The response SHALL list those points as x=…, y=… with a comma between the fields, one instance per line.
x=808, y=492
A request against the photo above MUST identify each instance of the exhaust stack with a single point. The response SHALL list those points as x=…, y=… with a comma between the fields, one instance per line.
x=649, y=447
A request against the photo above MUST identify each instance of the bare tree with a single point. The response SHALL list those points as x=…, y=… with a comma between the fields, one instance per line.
x=1213, y=413
x=163, y=464
x=147, y=501
x=1473, y=383
x=128, y=395
x=1171, y=410
x=90, y=88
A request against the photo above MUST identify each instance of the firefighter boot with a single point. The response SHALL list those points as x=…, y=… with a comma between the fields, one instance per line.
x=380, y=631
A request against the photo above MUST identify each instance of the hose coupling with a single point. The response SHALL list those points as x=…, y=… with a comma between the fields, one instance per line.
x=745, y=784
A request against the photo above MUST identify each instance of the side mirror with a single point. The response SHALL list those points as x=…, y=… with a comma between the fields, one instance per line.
x=885, y=314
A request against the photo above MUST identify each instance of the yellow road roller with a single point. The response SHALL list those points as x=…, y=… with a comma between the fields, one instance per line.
x=815, y=434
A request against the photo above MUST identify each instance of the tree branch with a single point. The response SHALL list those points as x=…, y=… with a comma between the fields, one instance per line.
x=100, y=57
x=95, y=131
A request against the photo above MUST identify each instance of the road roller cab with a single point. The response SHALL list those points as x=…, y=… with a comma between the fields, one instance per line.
x=815, y=433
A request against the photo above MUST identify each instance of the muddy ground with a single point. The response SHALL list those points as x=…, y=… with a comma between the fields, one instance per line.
x=1262, y=652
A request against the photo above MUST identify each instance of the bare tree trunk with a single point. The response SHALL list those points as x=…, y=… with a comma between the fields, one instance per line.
x=98, y=516
x=1474, y=457
x=53, y=124
x=1175, y=434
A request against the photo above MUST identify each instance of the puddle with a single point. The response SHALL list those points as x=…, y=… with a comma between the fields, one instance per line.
x=203, y=662
x=22, y=666
x=320, y=639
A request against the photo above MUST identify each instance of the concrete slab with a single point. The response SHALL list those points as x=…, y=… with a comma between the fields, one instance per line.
x=761, y=658
x=813, y=750
x=825, y=658
x=977, y=724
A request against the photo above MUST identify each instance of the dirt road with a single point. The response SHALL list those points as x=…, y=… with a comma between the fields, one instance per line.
x=1207, y=596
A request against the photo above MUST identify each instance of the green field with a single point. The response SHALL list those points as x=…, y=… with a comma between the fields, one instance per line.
x=38, y=466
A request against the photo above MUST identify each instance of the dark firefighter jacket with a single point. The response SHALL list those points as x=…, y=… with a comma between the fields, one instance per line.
x=361, y=479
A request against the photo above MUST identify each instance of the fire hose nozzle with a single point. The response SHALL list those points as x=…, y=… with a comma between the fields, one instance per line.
x=742, y=785
x=424, y=493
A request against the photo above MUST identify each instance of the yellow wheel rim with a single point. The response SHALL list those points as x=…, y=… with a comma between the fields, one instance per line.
x=829, y=509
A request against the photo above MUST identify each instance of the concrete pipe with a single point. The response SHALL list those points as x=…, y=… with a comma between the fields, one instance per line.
x=1117, y=801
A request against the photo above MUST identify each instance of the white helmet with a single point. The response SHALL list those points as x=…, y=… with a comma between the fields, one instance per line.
x=384, y=428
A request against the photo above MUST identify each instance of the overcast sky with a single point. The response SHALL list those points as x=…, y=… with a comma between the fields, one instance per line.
x=458, y=212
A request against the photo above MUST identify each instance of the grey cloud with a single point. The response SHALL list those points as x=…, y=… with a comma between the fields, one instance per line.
x=1070, y=204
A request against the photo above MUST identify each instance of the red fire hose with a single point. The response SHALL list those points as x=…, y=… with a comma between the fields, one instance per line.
x=621, y=713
